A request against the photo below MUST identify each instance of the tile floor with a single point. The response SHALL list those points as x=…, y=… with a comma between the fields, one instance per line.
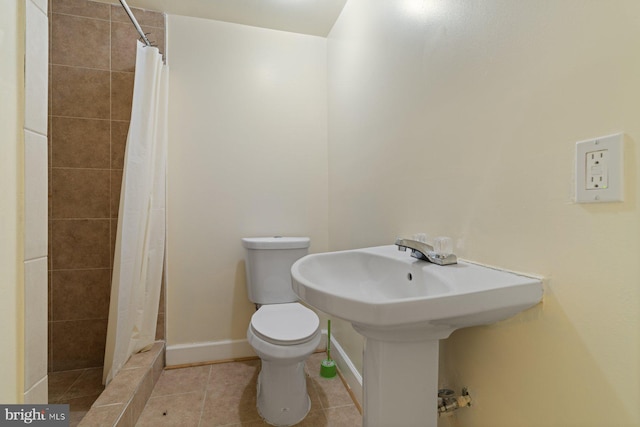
x=78, y=388
x=224, y=395
x=211, y=395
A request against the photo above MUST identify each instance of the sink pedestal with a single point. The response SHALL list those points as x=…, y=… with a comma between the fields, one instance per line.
x=400, y=381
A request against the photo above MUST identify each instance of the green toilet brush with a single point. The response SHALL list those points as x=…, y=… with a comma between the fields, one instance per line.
x=328, y=366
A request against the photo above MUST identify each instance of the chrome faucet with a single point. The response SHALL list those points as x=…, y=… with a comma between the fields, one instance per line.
x=425, y=251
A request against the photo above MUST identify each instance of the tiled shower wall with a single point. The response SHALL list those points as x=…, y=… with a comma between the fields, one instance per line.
x=91, y=60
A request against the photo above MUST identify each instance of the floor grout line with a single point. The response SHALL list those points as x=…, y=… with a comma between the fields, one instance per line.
x=204, y=398
x=175, y=394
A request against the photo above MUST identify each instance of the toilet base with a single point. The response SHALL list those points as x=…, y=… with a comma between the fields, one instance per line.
x=282, y=397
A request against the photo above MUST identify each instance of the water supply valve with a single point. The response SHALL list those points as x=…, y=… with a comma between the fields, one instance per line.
x=449, y=402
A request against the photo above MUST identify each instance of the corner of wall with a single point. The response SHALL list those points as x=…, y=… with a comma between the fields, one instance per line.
x=33, y=234
x=12, y=15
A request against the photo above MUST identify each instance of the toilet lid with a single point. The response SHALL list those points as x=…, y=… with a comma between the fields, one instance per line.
x=285, y=324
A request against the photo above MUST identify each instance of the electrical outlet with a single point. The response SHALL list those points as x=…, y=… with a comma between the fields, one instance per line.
x=599, y=169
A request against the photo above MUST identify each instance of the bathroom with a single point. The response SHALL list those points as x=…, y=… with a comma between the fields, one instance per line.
x=445, y=117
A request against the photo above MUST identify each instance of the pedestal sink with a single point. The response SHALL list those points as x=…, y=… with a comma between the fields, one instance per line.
x=403, y=307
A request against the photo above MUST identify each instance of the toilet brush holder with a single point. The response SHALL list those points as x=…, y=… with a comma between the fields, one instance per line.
x=328, y=366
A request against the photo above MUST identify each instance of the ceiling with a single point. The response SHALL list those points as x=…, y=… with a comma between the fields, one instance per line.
x=315, y=17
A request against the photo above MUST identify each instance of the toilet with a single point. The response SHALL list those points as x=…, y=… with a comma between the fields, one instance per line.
x=282, y=332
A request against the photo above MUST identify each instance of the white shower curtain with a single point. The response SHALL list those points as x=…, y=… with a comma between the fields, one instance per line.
x=139, y=251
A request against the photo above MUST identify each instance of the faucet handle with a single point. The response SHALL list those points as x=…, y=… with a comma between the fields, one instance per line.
x=443, y=246
x=420, y=237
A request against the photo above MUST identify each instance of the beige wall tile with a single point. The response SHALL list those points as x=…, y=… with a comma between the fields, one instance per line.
x=121, y=95
x=86, y=8
x=144, y=17
x=78, y=343
x=116, y=184
x=81, y=294
x=119, y=130
x=160, y=326
x=80, y=92
x=50, y=308
x=80, y=143
x=50, y=349
x=123, y=46
x=80, y=193
x=112, y=240
x=80, y=243
x=49, y=244
x=79, y=41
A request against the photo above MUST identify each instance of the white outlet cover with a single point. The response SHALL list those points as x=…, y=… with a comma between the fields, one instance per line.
x=614, y=191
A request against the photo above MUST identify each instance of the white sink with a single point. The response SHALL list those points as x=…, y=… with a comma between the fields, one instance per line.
x=383, y=288
x=403, y=306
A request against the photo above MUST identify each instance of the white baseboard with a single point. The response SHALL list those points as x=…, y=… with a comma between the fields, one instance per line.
x=211, y=351
x=347, y=369
x=214, y=351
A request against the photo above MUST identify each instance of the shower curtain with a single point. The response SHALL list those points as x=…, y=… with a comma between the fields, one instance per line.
x=139, y=251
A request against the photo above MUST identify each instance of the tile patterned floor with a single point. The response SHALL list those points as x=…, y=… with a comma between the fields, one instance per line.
x=224, y=395
x=79, y=388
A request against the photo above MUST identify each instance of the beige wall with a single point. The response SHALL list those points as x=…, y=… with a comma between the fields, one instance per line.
x=460, y=119
x=11, y=118
x=247, y=157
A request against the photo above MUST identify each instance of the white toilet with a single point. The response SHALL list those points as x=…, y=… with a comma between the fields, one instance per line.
x=282, y=332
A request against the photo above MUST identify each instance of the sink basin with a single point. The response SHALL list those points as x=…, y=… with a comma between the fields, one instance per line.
x=403, y=306
x=384, y=289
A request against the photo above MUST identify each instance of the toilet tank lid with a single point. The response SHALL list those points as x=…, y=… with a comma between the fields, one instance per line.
x=276, y=242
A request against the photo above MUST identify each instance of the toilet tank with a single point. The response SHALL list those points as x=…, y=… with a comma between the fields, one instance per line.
x=268, y=262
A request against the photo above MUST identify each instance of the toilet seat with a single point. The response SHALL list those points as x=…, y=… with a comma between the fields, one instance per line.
x=285, y=324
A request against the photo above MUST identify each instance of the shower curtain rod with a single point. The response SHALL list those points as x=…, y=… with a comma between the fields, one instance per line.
x=134, y=21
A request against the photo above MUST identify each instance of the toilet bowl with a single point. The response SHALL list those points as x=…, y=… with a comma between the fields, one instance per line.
x=282, y=331
x=283, y=336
